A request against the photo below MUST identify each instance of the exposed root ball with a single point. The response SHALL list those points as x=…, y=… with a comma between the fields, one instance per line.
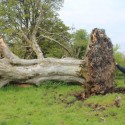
x=100, y=63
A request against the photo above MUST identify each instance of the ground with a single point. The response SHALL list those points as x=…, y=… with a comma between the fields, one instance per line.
x=54, y=103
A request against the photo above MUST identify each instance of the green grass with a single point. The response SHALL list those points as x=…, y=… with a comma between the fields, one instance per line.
x=49, y=105
x=120, y=82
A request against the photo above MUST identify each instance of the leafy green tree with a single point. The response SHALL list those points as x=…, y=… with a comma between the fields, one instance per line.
x=56, y=43
x=32, y=22
x=79, y=43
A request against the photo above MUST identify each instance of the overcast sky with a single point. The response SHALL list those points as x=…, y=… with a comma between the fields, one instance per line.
x=89, y=14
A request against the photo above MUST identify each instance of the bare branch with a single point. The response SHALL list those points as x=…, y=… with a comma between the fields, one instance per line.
x=5, y=51
x=33, y=43
x=13, y=59
x=39, y=19
x=25, y=37
x=57, y=43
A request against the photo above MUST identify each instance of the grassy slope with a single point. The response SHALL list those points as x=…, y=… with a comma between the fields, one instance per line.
x=48, y=105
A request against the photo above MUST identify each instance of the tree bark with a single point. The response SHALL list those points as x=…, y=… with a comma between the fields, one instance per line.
x=32, y=41
x=36, y=73
x=96, y=71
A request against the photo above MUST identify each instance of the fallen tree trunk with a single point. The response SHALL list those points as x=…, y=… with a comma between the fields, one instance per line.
x=16, y=70
x=96, y=71
x=36, y=73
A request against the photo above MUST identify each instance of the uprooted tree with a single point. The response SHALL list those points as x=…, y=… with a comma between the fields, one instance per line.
x=27, y=21
x=95, y=71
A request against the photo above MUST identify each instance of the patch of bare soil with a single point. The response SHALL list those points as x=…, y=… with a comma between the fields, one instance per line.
x=24, y=85
x=83, y=96
x=119, y=90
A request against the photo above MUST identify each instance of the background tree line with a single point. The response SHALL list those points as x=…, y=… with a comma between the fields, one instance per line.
x=120, y=59
x=19, y=18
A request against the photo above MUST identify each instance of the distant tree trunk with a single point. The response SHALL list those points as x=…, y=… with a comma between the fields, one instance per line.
x=96, y=71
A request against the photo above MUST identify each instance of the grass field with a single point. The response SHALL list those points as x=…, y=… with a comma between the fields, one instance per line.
x=49, y=105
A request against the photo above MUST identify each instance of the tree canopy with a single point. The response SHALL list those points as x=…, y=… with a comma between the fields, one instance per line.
x=32, y=22
x=79, y=43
